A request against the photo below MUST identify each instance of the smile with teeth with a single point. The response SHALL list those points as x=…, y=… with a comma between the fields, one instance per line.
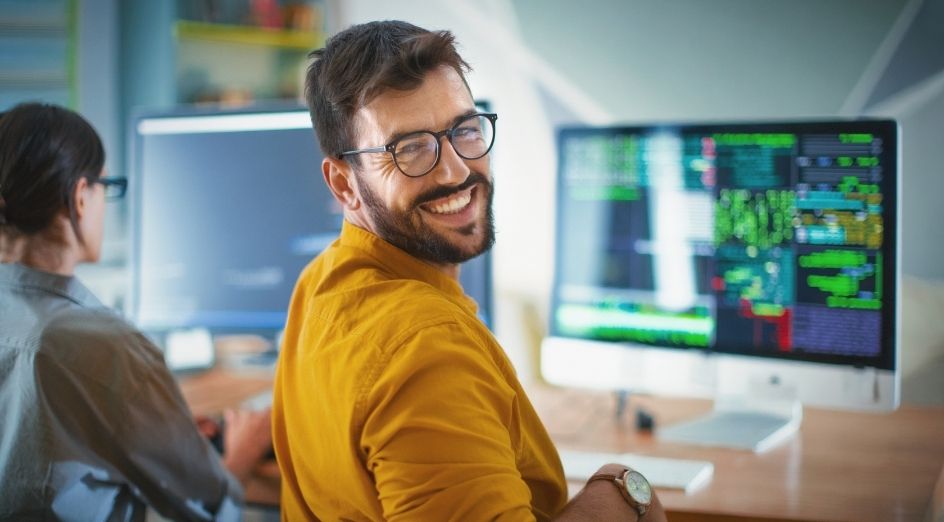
x=451, y=205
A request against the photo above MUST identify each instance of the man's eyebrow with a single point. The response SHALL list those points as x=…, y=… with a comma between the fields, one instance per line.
x=466, y=114
x=399, y=134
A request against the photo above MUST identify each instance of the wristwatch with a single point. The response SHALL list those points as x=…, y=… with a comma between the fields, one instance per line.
x=632, y=485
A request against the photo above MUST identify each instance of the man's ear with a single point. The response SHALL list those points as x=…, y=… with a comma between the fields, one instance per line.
x=339, y=175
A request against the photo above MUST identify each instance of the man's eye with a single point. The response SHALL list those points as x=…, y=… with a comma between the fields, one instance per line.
x=410, y=148
x=467, y=133
x=414, y=146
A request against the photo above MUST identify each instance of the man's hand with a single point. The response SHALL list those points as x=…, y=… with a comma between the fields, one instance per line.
x=247, y=439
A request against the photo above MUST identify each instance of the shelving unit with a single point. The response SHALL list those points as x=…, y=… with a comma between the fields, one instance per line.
x=239, y=34
x=37, y=52
x=238, y=54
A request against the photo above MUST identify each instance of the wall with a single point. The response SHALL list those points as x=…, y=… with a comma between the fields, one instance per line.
x=97, y=62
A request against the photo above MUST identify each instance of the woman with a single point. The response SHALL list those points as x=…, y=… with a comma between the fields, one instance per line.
x=92, y=425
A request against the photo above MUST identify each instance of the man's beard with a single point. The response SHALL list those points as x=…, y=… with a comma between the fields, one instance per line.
x=407, y=231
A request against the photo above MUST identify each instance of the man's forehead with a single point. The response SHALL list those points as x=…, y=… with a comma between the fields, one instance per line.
x=441, y=98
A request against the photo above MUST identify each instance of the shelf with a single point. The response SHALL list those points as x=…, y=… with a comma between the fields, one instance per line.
x=34, y=79
x=239, y=34
x=38, y=43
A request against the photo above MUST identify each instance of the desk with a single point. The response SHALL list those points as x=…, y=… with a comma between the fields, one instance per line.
x=841, y=466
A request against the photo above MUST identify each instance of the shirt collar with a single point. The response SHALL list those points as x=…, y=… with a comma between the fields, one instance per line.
x=404, y=265
x=68, y=287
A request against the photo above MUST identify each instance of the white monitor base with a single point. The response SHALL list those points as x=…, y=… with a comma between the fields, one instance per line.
x=735, y=423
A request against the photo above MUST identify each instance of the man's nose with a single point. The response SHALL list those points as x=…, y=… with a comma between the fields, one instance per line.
x=451, y=169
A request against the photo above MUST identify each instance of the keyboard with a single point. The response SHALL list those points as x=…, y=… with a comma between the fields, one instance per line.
x=686, y=475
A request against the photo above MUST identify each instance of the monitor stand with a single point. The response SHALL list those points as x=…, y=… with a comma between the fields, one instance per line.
x=740, y=423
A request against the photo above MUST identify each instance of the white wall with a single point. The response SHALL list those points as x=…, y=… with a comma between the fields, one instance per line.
x=690, y=59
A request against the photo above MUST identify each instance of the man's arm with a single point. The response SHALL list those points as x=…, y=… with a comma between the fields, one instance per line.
x=437, y=432
x=440, y=439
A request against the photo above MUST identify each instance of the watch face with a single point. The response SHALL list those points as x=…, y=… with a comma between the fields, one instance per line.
x=638, y=487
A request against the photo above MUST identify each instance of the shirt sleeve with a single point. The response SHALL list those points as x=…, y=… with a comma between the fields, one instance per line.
x=440, y=431
x=110, y=394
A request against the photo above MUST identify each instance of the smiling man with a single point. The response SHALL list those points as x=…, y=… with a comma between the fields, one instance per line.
x=392, y=400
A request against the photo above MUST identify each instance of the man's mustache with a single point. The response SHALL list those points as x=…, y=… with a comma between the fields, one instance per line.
x=442, y=192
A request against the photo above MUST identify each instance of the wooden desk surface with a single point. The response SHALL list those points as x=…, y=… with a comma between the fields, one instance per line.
x=841, y=466
x=212, y=392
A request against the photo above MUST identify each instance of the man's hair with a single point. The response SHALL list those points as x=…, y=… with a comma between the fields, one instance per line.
x=360, y=63
x=44, y=151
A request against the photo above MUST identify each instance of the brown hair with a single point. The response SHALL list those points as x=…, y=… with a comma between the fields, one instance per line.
x=363, y=61
x=44, y=151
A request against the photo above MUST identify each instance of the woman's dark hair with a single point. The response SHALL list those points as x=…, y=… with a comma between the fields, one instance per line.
x=44, y=151
x=360, y=63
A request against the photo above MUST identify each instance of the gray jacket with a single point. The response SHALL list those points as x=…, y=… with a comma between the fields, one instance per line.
x=92, y=424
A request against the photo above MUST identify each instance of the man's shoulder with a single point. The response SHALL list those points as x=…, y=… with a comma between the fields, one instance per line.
x=412, y=302
x=360, y=299
x=418, y=316
x=341, y=279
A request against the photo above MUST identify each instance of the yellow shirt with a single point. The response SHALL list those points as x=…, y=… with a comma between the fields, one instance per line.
x=393, y=401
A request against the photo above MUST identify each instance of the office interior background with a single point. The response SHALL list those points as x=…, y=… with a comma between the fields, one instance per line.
x=539, y=64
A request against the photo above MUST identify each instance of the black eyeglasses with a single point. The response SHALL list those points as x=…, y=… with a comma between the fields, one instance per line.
x=417, y=153
x=115, y=188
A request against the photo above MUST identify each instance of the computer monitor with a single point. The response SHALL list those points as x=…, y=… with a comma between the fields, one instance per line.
x=746, y=261
x=228, y=207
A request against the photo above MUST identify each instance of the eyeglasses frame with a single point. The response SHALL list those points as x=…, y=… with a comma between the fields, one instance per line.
x=391, y=147
x=120, y=182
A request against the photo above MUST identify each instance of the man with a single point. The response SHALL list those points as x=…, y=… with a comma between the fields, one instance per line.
x=392, y=400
